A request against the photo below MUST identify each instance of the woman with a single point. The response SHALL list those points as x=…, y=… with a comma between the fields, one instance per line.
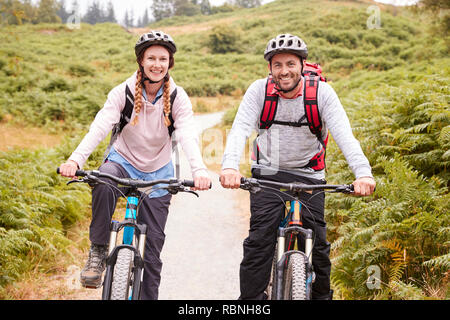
x=143, y=151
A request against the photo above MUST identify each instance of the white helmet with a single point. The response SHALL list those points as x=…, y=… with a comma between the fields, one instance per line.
x=286, y=43
x=154, y=37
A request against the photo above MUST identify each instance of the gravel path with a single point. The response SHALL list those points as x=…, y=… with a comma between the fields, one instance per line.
x=204, y=235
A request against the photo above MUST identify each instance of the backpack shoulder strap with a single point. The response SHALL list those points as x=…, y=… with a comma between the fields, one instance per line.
x=311, y=89
x=125, y=117
x=173, y=95
x=127, y=111
x=270, y=105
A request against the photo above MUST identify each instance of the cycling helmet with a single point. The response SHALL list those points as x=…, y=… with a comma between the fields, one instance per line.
x=154, y=37
x=286, y=43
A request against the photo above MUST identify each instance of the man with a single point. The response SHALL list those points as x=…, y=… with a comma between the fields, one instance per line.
x=284, y=153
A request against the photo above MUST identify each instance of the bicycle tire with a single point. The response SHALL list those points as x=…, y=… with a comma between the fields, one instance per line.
x=295, y=278
x=121, y=281
x=270, y=291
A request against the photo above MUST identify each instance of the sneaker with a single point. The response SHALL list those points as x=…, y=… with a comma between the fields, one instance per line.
x=91, y=275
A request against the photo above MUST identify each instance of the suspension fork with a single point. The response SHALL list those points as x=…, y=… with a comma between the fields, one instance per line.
x=292, y=225
x=130, y=227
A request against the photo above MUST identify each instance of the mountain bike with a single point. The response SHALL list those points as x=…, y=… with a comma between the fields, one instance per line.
x=292, y=272
x=125, y=262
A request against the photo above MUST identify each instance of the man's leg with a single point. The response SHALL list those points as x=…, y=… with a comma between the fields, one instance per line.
x=266, y=212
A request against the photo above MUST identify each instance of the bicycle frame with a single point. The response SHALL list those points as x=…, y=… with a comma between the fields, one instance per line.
x=134, y=234
x=291, y=226
x=130, y=228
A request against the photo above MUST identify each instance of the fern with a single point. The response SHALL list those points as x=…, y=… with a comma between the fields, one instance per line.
x=34, y=214
x=403, y=229
x=442, y=262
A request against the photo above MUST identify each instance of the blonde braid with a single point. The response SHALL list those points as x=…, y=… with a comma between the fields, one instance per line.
x=166, y=96
x=137, y=97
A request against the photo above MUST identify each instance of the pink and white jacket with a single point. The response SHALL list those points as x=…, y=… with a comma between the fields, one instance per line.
x=147, y=146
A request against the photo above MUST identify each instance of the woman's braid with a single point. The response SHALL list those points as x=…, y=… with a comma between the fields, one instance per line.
x=137, y=98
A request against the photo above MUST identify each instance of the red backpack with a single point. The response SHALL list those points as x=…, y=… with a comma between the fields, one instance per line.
x=312, y=75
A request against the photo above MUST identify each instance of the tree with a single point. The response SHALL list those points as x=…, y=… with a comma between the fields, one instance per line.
x=128, y=19
x=186, y=8
x=435, y=4
x=110, y=15
x=247, y=3
x=62, y=11
x=11, y=12
x=162, y=9
x=47, y=11
x=145, y=19
x=440, y=10
x=30, y=11
x=94, y=14
x=205, y=7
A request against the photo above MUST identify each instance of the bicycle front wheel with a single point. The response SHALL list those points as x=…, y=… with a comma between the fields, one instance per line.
x=271, y=287
x=295, y=278
x=122, y=276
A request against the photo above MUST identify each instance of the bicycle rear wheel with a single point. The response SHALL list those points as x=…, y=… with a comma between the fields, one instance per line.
x=295, y=278
x=122, y=276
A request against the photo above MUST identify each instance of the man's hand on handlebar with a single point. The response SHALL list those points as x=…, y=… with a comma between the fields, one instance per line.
x=202, y=181
x=230, y=178
x=364, y=186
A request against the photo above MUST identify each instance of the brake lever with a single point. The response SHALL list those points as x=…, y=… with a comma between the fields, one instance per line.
x=74, y=181
x=345, y=189
x=191, y=191
x=90, y=180
x=174, y=189
x=251, y=185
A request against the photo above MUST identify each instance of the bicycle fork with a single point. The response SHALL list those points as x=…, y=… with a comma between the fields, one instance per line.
x=293, y=230
x=130, y=228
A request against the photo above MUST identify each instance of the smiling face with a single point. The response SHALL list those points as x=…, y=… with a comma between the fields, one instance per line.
x=155, y=62
x=286, y=69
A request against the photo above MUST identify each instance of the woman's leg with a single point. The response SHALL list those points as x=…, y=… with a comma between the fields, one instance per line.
x=153, y=212
x=104, y=199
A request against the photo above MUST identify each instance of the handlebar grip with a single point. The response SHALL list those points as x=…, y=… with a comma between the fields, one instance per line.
x=78, y=173
x=190, y=183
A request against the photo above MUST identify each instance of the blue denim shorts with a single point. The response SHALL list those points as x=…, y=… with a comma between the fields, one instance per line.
x=165, y=172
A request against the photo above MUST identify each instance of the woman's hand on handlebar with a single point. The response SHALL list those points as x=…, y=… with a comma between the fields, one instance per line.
x=202, y=181
x=68, y=169
x=230, y=178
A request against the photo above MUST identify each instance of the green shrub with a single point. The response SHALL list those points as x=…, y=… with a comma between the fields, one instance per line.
x=57, y=84
x=374, y=39
x=81, y=70
x=224, y=39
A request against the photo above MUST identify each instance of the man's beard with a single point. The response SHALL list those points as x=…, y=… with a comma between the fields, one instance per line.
x=279, y=88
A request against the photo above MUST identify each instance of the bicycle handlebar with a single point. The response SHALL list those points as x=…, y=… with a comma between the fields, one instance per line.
x=129, y=182
x=252, y=184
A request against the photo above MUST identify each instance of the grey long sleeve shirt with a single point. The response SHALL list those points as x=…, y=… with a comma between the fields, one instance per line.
x=288, y=148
